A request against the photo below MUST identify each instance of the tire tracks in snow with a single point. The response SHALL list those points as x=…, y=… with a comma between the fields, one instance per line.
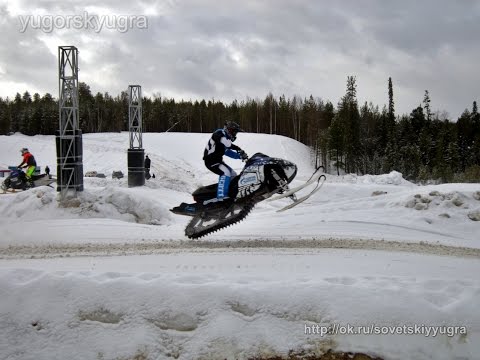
x=302, y=246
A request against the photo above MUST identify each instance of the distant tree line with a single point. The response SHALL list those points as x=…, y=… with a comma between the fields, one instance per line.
x=350, y=137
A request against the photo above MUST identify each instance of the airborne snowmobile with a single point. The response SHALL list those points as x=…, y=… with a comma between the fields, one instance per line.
x=17, y=180
x=262, y=177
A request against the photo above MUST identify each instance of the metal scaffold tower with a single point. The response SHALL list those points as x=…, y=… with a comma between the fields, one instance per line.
x=135, y=116
x=69, y=136
x=136, y=161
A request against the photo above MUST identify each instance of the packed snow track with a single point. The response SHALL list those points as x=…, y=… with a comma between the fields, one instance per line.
x=175, y=247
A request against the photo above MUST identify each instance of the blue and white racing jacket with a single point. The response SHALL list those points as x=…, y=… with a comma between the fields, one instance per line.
x=220, y=144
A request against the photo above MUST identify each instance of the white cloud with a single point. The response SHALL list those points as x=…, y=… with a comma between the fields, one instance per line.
x=224, y=51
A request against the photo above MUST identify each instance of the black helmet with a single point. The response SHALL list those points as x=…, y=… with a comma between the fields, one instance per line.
x=232, y=129
x=23, y=150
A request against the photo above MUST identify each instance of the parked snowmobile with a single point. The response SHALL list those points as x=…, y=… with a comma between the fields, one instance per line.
x=262, y=177
x=17, y=180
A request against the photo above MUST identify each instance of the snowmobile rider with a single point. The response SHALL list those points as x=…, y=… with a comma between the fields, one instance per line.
x=28, y=162
x=221, y=143
x=147, y=163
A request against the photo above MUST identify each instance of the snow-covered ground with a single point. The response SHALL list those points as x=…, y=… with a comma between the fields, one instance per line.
x=112, y=276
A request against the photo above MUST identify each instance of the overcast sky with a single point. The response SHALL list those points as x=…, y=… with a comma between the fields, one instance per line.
x=238, y=49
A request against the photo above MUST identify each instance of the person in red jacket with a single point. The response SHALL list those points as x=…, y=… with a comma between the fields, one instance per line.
x=28, y=162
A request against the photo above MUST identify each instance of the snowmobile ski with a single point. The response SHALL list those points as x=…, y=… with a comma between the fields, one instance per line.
x=303, y=198
x=315, y=177
x=11, y=191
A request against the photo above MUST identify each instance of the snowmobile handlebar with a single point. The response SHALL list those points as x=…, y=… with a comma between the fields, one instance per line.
x=243, y=155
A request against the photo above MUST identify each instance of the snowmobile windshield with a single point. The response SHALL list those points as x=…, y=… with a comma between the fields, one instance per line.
x=257, y=157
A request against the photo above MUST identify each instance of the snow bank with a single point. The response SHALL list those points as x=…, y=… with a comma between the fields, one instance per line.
x=393, y=178
x=110, y=202
x=455, y=205
x=237, y=306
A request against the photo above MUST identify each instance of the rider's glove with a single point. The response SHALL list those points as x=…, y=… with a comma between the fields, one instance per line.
x=243, y=154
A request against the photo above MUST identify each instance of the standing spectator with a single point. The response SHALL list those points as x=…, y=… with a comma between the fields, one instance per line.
x=47, y=171
x=147, y=167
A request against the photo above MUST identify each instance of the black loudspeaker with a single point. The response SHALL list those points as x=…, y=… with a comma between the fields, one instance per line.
x=136, y=167
x=69, y=163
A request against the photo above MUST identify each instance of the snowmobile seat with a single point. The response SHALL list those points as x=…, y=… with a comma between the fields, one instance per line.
x=210, y=191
